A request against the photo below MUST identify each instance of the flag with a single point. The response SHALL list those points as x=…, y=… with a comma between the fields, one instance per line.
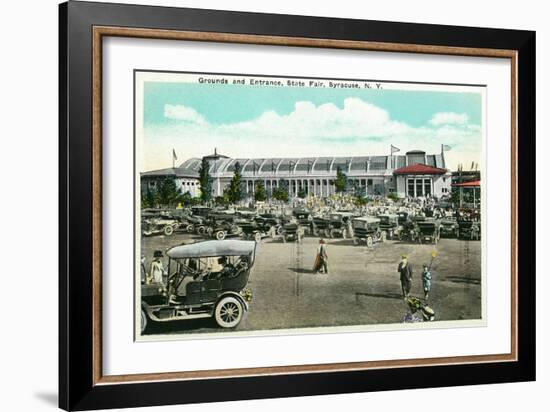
x=445, y=147
x=394, y=149
x=174, y=156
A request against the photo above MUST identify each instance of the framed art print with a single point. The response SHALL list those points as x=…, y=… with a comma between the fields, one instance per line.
x=259, y=205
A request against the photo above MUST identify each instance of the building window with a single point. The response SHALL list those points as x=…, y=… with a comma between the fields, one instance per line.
x=410, y=187
x=427, y=187
x=419, y=191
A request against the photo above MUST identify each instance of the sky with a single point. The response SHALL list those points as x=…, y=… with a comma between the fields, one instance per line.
x=257, y=121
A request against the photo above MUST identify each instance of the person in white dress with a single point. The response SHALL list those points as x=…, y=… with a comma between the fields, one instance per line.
x=157, y=268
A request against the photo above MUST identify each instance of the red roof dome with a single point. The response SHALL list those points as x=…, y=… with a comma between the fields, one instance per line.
x=419, y=169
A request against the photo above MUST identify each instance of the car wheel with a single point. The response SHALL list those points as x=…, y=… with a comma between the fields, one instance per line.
x=280, y=230
x=143, y=321
x=258, y=237
x=369, y=241
x=190, y=228
x=220, y=235
x=201, y=230
x=168, y=230
x=228, y=312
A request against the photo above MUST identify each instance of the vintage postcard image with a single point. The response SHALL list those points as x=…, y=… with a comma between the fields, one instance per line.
x=268, y=205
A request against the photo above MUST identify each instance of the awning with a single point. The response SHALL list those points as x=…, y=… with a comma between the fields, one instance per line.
x=473, y=183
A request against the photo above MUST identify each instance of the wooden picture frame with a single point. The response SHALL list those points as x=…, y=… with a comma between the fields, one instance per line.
x=82, y=385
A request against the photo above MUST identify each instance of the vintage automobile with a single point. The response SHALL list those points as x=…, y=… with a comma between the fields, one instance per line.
x=220, y=226
x=402, y=218
x=408, y=229
x=257, y=229
x=155, y=223
x=194, y=290
x=200, y=210
x=338, y=223
x=449, y=228
x=270, y=220
x=390, y=224
x=304, y=218
x=428, y=230
x=367, y=229
x=469, y=230
x=292, y=231
x=321, y=226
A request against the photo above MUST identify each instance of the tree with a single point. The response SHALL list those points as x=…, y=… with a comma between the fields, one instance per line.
x=341, y=180
x=168, y=192
x=393, y=196
x=235, y=191
x=302, y=193
x=205, y=181
x=148, y=199
x=281, y=192
x=186, y=199
x=260, y=194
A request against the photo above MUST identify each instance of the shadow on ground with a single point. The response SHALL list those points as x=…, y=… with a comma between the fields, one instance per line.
x=388, y=295
x=458, y=279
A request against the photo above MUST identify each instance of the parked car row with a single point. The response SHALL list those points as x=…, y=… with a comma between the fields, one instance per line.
x=293, y=225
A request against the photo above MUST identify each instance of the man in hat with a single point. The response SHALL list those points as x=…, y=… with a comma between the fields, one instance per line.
x=157, y=268
x=405, y=274
x=321, y=261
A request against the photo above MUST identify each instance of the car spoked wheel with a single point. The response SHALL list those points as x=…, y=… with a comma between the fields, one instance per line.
x=229, y=312
x=369, y=241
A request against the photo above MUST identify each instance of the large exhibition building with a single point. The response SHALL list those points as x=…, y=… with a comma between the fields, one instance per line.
x=415, y=174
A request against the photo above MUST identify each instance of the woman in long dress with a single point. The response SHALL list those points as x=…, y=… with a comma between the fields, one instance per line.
x=157, y=268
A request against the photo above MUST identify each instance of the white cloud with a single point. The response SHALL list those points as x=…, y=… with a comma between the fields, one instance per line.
x=356, y=118
x=444, y=118
x=184, y=113
x=357, y=128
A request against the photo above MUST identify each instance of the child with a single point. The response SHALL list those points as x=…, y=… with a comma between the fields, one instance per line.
x=426, y=281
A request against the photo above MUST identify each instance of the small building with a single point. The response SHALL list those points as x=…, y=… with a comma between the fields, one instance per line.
x=187, y=180
x=421, y=180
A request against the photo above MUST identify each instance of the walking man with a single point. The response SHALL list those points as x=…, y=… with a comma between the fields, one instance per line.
x=405, y=273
